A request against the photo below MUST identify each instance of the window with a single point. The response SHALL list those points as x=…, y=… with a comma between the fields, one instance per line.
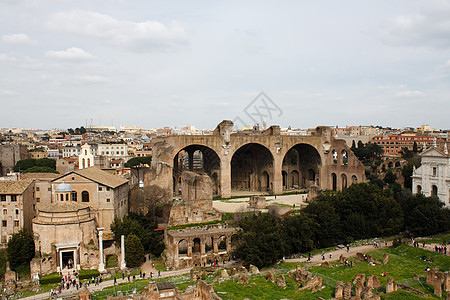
x=434, y=171
x=108, y=200
x=2, y=197
x=17, y=211
x=49, y=189
x=74, y=196
x=13, y=198
x=4, y=223
x=100, y=189
x=85, y=196
x=37, y=189
x=107, y=188
x=16, y=223
x=5, y=211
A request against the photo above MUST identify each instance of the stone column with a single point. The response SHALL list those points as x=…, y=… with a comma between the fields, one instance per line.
x=191, y=160
x=277, y=176
x=216, y=245
x=202, y=247
x=228, y=244
x=189, y=249
x=101, y=265
x=225, y=175
x=123, y=265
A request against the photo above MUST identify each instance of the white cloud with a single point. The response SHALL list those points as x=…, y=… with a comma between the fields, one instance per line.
x=446, y=65
x=8, y=93
x=430, y=27
x=5, y=57
x=136, y=35
x=91, y=78
x=18, y=39
x=70, y=54
x=410, y=94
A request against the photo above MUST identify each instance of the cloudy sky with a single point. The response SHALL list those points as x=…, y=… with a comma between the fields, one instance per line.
x=171, y=63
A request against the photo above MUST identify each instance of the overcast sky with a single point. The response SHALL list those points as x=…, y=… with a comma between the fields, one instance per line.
x=172, y=63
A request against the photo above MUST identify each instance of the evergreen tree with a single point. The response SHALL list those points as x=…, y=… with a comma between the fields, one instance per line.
x=134, y=251
x=21, y=248
x=260, y=241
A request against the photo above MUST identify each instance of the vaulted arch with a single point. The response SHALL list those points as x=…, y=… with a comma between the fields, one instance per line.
x=252, y=169
x=302, y=162
x=197, y=158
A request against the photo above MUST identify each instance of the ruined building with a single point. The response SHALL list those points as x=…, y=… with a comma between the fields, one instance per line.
x=259, y=161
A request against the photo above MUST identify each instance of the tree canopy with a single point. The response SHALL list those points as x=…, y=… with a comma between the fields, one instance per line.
x=143, y=228
x=134, y=251
x=21, y=248
x=25, y=164
x=135, y=161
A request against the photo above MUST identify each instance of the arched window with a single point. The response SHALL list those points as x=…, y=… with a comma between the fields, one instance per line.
x=334, y=181
x=67, y=197
x=354, y=179
x=344, y=181
x=434, y=190
x=61, y=197
x=183, y=247
x=419, y=189
x=83, y=164
x=335, y=156
x=344, y=157
x=74, y=196
x=88, y=162
x=85, y=196
x=196, y=248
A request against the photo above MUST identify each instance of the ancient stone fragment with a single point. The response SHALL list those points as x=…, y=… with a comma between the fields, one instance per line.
x=281, y=281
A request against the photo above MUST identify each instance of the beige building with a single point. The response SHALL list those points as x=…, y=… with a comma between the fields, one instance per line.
x=65, y=234
x=17, y=205
x=42, y=187
x=105, y=193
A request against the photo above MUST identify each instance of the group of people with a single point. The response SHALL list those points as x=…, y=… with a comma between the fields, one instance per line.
x=440, y=250
x=67, y=281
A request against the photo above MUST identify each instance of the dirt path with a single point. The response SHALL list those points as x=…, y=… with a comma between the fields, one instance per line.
x=337, y=253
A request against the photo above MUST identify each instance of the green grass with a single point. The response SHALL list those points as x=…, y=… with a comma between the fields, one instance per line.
x=404, y=262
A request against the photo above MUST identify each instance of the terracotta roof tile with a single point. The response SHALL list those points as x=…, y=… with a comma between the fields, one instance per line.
x=102, y=177
x=14, y=187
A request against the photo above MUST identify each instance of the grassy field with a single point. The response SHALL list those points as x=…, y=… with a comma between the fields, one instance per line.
x=404, y=262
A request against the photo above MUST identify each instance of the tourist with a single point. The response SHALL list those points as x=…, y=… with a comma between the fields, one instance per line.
x=348, y=247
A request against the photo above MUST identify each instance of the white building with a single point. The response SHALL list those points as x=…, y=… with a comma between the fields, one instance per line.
x=71, y=151
x=432, y=178
x=113, y=150
x=86, y=158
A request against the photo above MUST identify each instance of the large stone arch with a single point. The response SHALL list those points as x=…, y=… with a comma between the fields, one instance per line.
x=197, y=158
x=252, y=168
x=303, y=162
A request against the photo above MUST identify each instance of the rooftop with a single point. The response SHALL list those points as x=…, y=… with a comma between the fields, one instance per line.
x=14, y=187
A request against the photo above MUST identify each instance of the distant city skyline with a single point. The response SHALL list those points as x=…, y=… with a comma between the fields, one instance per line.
x=172, y=63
